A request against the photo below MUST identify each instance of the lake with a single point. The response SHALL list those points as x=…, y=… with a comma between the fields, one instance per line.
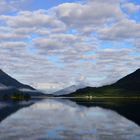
x=62, y=119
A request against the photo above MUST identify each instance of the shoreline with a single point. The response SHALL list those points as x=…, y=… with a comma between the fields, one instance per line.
x=94, y=97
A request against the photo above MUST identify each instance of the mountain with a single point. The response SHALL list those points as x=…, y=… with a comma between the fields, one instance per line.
x=127, y=86
x=68, y=90
x=2, y=86
x=130, y=82
x=9, y=85
x=8, y=81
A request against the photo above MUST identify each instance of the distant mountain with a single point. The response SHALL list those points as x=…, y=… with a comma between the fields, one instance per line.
x=127, y=86
x=68, y=90
x=8, y=85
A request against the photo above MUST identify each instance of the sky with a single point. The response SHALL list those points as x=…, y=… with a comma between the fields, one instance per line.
x=51, y=44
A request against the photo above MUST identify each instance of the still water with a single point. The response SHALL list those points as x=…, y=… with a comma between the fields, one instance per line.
x=51, y=119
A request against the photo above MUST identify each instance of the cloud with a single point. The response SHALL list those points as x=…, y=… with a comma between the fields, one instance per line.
x=12, y=36
x=11, y=45
x=123, y=30
x=131, y=7
x=87, y=16
x=114, y=54
x=90, y=40
x=64, y=45
x=137, y=44
x=8, y=6
x=29, y=19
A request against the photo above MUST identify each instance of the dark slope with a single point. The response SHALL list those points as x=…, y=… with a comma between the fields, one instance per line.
x=8, y=81
x=9, y=85
x=130, y=82
x=127, y=86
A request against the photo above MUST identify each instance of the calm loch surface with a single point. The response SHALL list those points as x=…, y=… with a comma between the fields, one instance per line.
x=61, y=119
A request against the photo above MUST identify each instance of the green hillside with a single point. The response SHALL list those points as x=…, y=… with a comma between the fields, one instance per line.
x=126, y=87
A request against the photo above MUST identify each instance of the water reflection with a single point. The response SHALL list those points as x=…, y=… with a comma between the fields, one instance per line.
x=125, y=107
x=63, y=119
x=9, y=107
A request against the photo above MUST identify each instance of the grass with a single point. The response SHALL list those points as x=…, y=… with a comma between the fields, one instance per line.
x=105, y=92
x=113, y=101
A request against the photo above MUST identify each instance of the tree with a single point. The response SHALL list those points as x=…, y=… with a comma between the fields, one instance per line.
x=27, y=97
x=6, y=97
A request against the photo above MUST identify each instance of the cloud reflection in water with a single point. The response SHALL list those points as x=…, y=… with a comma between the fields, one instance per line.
x=51, y=119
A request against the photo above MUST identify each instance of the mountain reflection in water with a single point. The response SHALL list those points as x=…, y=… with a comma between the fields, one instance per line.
x=63, y=119
x=9, y=107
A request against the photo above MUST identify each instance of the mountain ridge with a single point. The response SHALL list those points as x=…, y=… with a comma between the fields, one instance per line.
x=9, y=85
x=67, y=90
x=126, y=86
x=7, y=80
x=130, y=82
